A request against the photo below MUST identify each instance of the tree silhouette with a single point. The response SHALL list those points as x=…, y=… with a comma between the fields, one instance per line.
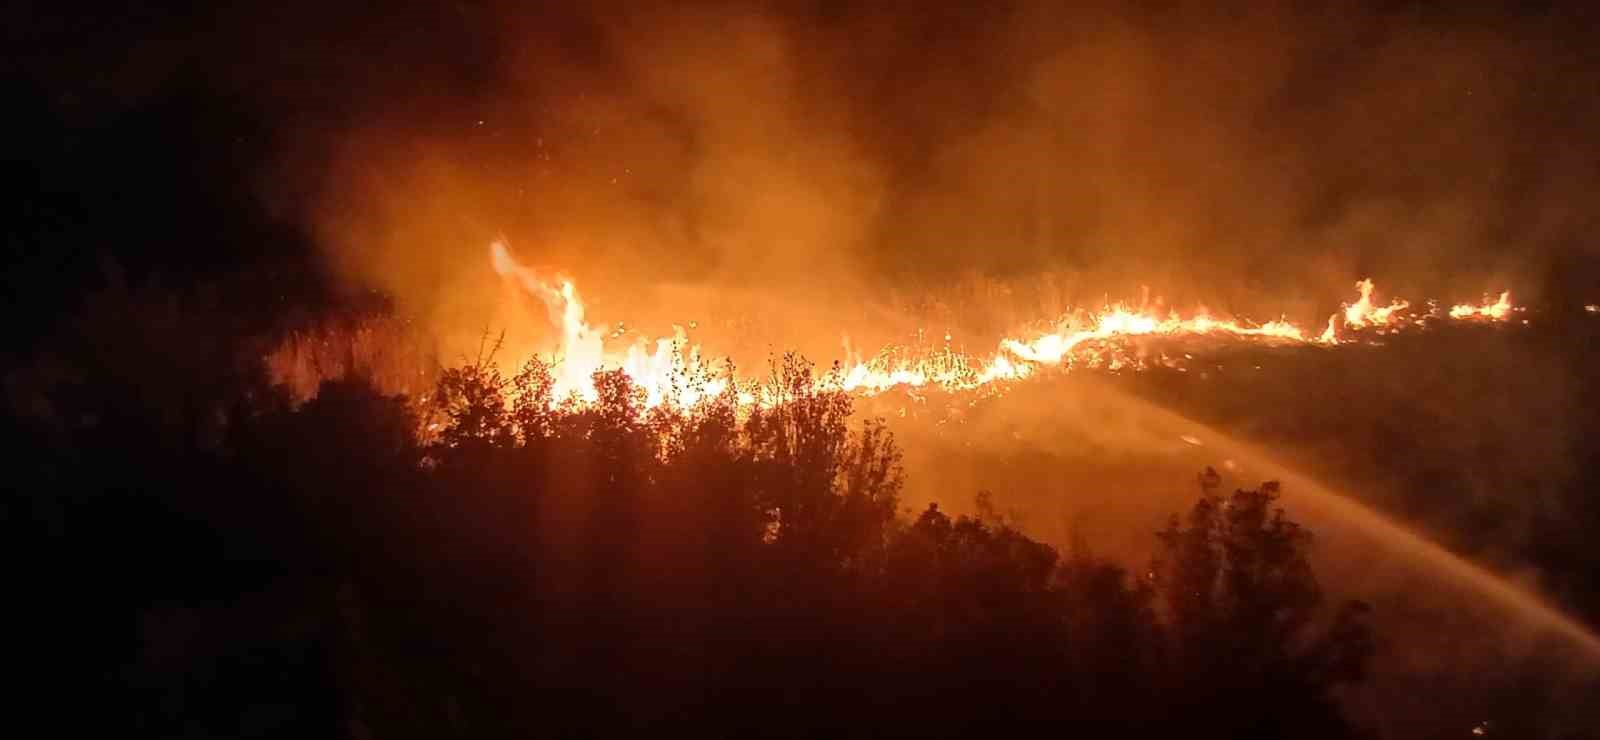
x=492, y=560
x=1240, y=601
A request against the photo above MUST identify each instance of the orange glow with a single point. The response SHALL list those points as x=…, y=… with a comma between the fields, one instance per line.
x=1364, y=313
x=671, y=371
x=1497, y=310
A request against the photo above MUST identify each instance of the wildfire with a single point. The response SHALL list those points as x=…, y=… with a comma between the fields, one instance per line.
x=673, y=371
x=1496, y=311
x=1364, y=313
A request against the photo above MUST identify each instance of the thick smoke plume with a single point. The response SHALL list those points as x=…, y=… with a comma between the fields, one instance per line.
x=786, y=175
x=809, y=171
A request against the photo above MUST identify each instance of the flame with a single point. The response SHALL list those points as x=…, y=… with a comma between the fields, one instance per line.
x=671, y=371
x=1497, y=310
x=1364, y=313
x=1329, y=335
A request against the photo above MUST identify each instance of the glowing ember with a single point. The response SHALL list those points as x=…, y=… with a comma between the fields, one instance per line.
x=672, y=372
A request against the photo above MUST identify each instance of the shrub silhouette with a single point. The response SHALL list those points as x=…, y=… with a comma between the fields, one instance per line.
x=503, y=562
x=1240, y=601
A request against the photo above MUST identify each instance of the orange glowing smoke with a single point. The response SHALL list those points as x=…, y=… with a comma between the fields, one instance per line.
x=671, y=371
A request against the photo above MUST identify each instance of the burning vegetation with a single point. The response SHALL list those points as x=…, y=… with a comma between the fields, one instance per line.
x=297, y=458
x=492, y=556
x=605, y=566
x=673, y=371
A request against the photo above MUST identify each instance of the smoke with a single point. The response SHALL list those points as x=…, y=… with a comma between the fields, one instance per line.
x=807, y=168
x=817, y=167
x=790, y=175
x=785, y=175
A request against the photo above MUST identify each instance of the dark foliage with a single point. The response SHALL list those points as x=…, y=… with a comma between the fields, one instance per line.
x=501, y=564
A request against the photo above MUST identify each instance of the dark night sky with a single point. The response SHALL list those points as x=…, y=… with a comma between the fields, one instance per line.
x=1276, y=148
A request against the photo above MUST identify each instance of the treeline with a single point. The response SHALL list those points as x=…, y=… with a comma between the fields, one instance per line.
x=496, y=564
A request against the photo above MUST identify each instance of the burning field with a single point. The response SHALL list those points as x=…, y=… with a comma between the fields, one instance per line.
x=672, y=371
x=1117, y=337
x=1082, y=430
x=798, y=369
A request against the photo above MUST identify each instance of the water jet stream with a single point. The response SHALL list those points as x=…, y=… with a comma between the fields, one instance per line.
x=1312, y=496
